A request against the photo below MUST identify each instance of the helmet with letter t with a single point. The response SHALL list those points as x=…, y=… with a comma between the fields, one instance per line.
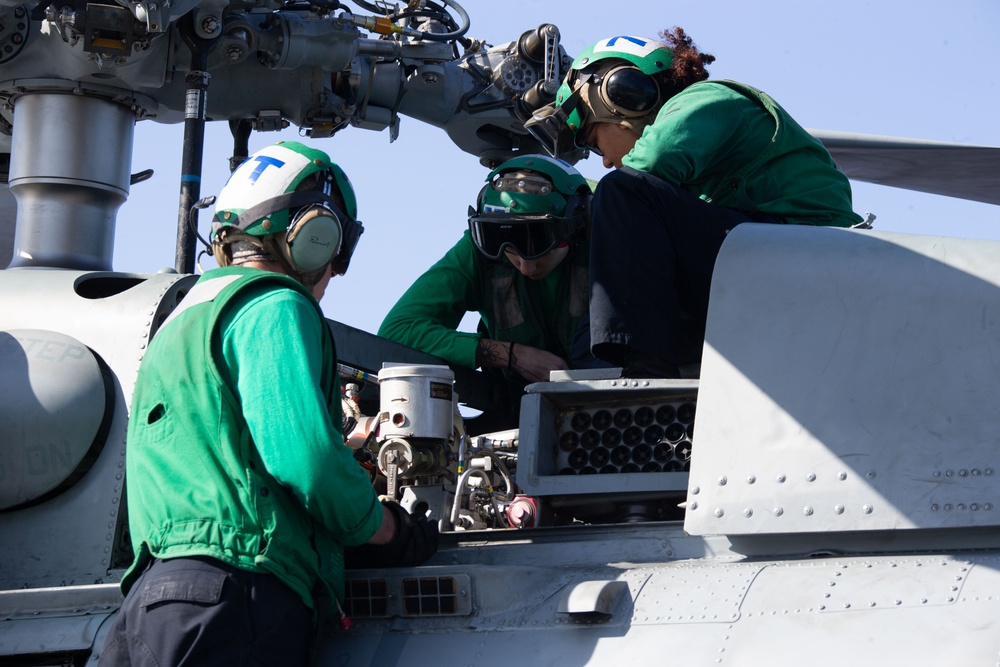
x=530, y=204
x=293, y=203
x=623, y=80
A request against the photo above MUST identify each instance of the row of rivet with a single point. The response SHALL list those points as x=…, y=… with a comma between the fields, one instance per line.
x=779, y=511
x=961, y=507
x=975, y=472
x=780, y=479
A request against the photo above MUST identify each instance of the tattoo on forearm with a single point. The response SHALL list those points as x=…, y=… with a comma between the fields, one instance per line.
x=488, y=353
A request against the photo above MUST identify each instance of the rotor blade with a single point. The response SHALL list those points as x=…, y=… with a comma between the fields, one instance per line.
x=964, y=171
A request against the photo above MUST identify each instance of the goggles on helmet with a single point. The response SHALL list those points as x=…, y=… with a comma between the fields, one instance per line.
x=553, y=127
x=530, y=235
x=607, y=94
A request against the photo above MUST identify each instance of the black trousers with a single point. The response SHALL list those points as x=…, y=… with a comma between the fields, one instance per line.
x=199, y=611
x=653, y=249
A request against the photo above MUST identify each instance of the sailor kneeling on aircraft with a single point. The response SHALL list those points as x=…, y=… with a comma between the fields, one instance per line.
x=693, y=159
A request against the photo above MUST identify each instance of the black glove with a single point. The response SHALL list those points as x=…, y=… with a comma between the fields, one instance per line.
x=416, y=541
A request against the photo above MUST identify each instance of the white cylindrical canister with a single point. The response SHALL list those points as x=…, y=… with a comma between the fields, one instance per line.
x=418, y=400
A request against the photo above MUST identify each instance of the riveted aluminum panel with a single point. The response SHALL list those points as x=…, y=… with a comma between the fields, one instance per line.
x=73, y=537
x=693, y=592
x=849, y=382
x=905, y=608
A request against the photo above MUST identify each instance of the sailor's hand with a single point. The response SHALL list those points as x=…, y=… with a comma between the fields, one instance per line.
x=413, y=542
x=534, y=364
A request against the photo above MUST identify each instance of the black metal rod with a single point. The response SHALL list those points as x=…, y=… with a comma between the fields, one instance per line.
x=191, y=161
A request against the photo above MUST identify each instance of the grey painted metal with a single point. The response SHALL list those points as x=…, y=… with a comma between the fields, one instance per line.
x=849, y=385
x=679, y=599
x=8, y=216
x=64, y=619
x=74, y=537
x=52, y=406
x=69, y=177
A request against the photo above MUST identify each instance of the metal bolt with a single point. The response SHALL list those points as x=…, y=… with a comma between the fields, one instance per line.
x=780, y=479
x=867, y=509
x=811, y=477
x=210, y=25
x=778, y=511
x=719, y=512
x=723, y=481
x=807, y=510
x=839, y=509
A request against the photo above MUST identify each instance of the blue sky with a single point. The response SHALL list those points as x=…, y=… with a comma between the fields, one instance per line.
x=918, y=69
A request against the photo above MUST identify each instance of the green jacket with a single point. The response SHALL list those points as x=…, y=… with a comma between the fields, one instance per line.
x=540, y=313
x=733, y=145
x=234, y=443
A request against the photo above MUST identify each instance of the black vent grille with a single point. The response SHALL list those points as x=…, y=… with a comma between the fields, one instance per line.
x=408, y=596
x=367, y=598
x=429, y=596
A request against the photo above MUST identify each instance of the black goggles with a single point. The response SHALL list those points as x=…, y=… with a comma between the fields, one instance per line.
x=530, y=236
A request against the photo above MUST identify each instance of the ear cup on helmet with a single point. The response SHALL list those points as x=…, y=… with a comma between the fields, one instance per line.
x=313, y=238
x=628, y=92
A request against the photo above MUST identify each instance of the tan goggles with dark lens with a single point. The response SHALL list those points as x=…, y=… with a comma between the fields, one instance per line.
x=550, y=126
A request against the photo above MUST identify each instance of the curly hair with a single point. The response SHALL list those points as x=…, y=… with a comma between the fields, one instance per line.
x=689, y=62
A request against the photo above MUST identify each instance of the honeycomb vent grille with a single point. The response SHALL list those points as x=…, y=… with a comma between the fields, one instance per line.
x=641, y=438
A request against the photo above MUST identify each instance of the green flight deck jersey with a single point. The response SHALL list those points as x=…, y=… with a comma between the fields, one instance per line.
x=732, y=145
